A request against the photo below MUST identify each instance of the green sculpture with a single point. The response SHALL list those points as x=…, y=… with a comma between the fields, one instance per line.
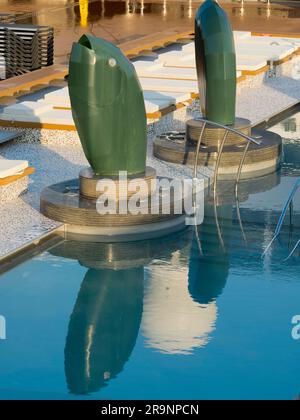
x=108, y=107
x=109, y=303
x=216, y=63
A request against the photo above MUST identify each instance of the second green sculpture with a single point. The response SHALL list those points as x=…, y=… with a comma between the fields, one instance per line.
x=216, y=63
x=108, y=107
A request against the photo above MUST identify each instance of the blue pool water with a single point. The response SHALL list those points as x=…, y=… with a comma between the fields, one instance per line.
x=191, y=316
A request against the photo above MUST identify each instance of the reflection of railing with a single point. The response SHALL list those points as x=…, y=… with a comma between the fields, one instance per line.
x=288, y=205
x=239, y=173
x=293, y=250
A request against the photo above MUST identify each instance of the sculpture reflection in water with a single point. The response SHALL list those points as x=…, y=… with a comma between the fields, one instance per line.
x=184, y=275
x=180, y=305
x=222, y=237
x=106, y=318
x=209, y=266
x=173, y=323
x=180, y=308
x=103, y=327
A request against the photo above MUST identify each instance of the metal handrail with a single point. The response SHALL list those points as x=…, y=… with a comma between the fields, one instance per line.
x=288, y=205
x=195, y=171
x=227, y=130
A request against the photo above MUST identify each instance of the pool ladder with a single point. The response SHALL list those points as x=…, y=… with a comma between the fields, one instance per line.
x=288, y=205
x=216, y=173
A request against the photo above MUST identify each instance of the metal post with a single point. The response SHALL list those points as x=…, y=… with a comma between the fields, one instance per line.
x=195, y=173
x=239, y=173
x=198, y=149
x=283, y=214
x=291, y=213
x=218, y=225
x=218, y=162
x=242, y=135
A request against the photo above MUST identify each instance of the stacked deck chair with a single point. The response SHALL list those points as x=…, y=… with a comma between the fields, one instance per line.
x=5, y=18
x=24, y=48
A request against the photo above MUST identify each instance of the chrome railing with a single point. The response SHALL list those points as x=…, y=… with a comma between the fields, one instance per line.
x=288, y=205
x=239, y=173
x=227, y=131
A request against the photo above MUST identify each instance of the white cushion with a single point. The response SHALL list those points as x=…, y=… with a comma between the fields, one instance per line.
x=176, y=73
x=12, y=167
x=152, y=106
x=60, y=95
x=147, y=65
x=25, y=108
x=241, y=35
x=168, y=85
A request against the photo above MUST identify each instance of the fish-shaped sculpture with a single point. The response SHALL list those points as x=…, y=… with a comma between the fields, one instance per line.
x=108, y=107
x=216, y=63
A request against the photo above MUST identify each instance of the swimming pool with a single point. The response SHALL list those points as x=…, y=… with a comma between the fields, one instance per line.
x=196, y=315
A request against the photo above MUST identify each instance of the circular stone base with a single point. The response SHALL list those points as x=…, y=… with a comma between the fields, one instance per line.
x=213, y=136
x=88, y=183
x=62, y=202
x=260, y=160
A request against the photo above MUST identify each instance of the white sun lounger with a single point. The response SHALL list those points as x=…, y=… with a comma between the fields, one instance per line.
x=145, y=64
x=9, y=135
x=272, y=41
x=255, y=49
x=250, y=63
x=24, y=109
x=268, y=52
x=154, y=101
x=52, y=116
x=244, y=62
x=14, y=179
x=158, y=102
x=256, y=42
x=176, y=56
x=241, y=35
x=59, y=97
x=169, y=73
x=167, y=85
x=12, y=167
x=172, y=97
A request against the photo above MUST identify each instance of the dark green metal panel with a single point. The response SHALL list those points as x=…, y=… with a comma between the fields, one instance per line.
x=108, y=107
x=216, y=63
